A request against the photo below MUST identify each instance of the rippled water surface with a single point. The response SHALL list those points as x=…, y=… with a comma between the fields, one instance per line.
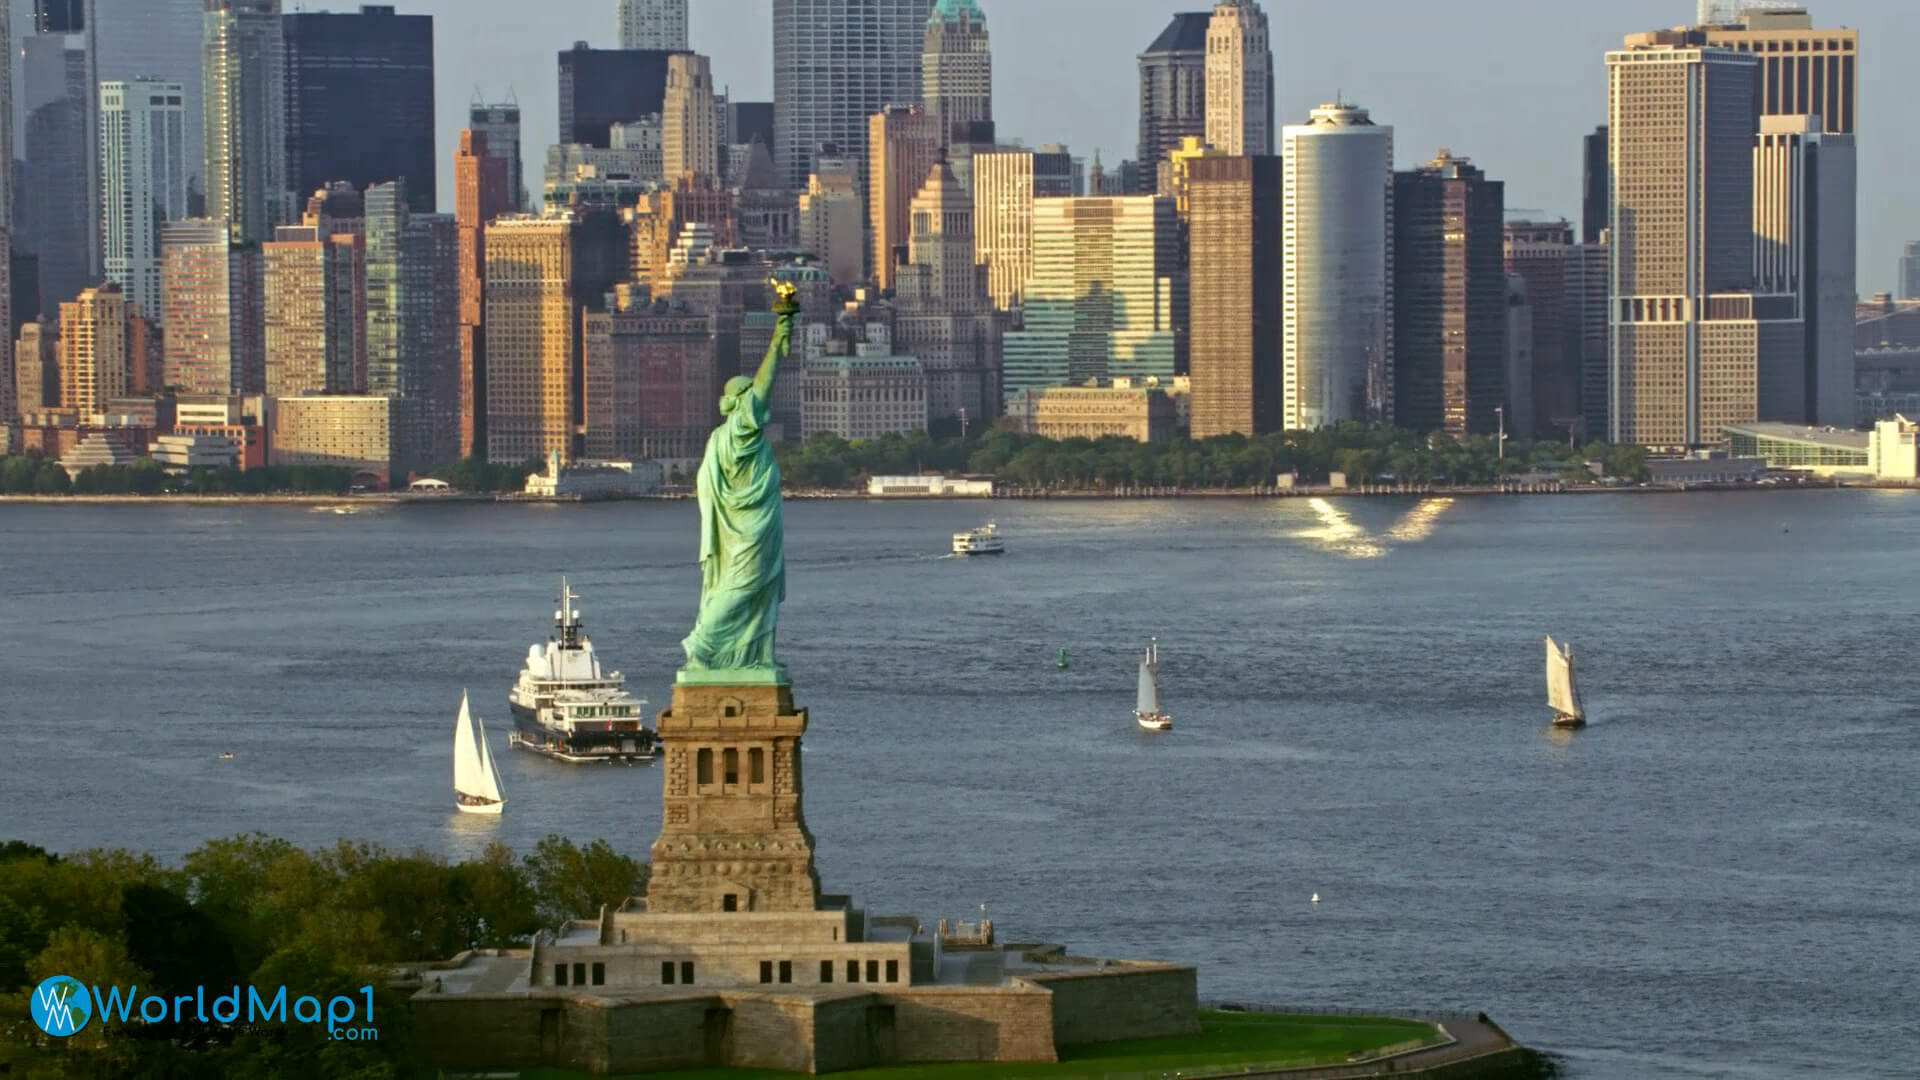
x=1719, y=877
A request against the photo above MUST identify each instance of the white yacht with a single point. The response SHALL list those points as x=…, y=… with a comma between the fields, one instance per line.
x=567, y=708
x=476, y=780
x=984, y=540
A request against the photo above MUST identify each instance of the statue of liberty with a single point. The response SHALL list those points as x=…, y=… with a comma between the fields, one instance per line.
x=743, y=570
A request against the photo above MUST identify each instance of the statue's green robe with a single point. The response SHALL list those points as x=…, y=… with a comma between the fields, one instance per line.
x=743, y=572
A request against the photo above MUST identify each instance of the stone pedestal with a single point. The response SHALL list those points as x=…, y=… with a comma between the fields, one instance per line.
x=732, y=836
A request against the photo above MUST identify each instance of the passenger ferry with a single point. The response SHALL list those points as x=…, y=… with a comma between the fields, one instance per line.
x=984, y=540
x=565, y=707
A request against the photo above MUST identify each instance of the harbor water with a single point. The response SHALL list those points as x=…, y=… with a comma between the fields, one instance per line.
x=1716, y=878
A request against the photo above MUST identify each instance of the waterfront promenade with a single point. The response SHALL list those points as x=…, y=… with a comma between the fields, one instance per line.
x=1429, y=491
x=1474, y=1046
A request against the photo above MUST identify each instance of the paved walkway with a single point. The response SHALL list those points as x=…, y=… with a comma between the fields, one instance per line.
x=1472, y=1037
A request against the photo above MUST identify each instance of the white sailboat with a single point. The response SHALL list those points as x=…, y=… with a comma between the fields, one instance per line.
x=476, y=781
x=1146, y=710
x=1562, y=695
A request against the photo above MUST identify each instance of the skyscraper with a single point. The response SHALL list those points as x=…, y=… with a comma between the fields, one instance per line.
x=542, y=273
x=1239, y=108
x=1804, y=235
x=648, y=380
x=480, y=194
x=1589, y=276
x=210, y=300
x=360, y=100
x=158, y=39
x=603, y=87
x=93, y=349
x=53, y=206
x=653, y=24
x=830, y=227
x=956, y=67
x=1910, y=271
x=314, y=312
x=499, y=126
x=1450, y=300
x=1804, y=70
x=1809, y=72
x=1173, y=89
x=1006, y=184
x=941, y=310
x=1235, y=344
x=1338, y=269
x=413, y=299
x=386, y=223
x=430, y=328
x=1686, y=326
x=1541, y=254
x=143, y=181
x=1593, y=184
x=902, y=144
x=689, y=135
x=243, y=65
x=1107, y=297
x=836, y=63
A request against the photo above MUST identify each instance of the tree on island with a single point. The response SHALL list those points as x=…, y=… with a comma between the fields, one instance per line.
x=254, y=910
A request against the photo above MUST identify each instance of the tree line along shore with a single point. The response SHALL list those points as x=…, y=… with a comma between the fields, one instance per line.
x=1366, y=456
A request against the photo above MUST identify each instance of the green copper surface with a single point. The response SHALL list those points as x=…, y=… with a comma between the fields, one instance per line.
x=743, y=569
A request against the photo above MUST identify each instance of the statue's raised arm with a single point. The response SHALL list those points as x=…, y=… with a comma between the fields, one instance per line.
x=785, y=307
x=743, y=570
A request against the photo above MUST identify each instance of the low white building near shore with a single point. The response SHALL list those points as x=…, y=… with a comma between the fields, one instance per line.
x=182, y=452
x=931, y=486
x=595, y=479
x=1893, y=449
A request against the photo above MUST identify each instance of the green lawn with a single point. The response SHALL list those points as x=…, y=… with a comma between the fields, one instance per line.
x=1229, y=1041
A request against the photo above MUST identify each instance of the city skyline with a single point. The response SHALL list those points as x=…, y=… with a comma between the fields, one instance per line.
x=1044, y=94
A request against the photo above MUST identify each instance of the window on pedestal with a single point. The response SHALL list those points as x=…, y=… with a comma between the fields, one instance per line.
x=756, y=766
x=873, y=971
x=666, y=973
x=559, y=974
x=853, y=971
x=730, y=902
x=686, y=972
x=580, y=974
x=600, y=974
x=786, y=971
x=893, y=971
x=766, y=971
x=703, y=767
x=826, y=971
x=730, y=766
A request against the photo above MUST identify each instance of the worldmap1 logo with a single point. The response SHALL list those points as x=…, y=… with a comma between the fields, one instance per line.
x=61, y=1006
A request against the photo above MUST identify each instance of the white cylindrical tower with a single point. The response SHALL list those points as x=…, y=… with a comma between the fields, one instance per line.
x=1338, y=268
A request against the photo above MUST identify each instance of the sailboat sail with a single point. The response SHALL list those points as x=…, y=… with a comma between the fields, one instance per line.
x=1149, y=700
x=474, y=773
x=1561, y=696
x=490, y=773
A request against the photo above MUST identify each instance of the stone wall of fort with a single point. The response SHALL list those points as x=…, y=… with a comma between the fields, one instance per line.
x=964, y=1023
x=1122, y=1001
x=743, y=1030
x=593, y=1035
